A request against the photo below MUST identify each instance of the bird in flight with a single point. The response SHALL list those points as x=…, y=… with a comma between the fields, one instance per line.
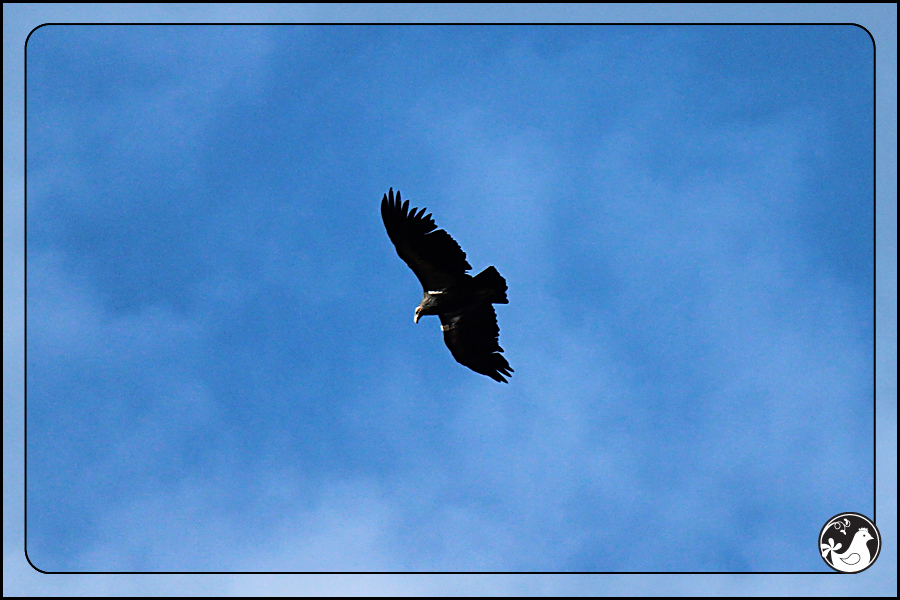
x=464, y=303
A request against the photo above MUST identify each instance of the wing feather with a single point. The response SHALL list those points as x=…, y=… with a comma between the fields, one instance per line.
x=473, y=338
x=434, y=256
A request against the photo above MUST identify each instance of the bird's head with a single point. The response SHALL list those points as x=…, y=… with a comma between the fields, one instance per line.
x=428, y=305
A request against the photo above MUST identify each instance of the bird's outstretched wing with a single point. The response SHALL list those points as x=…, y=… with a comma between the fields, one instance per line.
x=434, y=256
x=473, y=339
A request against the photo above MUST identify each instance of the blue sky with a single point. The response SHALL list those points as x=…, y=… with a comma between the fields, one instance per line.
x=222, y=369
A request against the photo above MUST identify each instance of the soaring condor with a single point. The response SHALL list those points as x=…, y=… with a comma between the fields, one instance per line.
x=462, y=302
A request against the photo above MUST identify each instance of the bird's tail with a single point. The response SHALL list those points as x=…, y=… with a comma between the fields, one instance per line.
x=491, y=280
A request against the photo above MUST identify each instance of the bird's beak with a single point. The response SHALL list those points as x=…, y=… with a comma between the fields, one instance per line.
x=418, y=314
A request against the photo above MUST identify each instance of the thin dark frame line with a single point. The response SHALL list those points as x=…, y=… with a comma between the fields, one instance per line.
x=580, y=24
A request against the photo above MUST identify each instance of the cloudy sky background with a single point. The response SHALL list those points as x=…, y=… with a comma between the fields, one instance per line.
x=223, y=372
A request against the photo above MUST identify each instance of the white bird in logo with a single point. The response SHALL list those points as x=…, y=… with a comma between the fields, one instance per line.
x=855, y=558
